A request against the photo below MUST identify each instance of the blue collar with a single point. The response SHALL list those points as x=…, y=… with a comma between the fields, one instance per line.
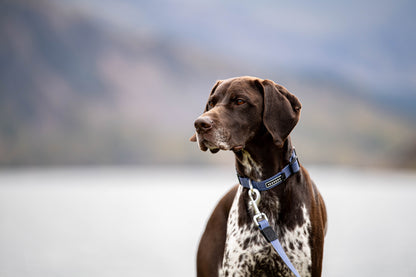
x=277, y=179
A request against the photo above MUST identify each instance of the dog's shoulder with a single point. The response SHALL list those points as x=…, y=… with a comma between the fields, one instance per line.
x=211, y=247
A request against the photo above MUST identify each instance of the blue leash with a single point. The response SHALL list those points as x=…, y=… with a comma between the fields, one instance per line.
x=271, y=237
x=260, y=219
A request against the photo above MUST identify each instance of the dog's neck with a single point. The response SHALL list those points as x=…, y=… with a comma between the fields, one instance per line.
x=262, y=159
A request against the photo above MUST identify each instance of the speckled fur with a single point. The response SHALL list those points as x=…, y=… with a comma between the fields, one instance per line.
x=247, y=253
x=250, y=166
x=253, y=118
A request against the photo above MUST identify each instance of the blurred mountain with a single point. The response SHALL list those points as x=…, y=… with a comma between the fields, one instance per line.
x=100, y=83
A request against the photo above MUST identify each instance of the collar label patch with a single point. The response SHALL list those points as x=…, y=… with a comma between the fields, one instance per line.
x=280, y=178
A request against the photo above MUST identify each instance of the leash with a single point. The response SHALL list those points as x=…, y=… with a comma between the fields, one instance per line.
x=259, y=218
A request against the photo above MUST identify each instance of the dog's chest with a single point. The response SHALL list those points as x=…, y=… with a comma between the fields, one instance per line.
x=247, y=253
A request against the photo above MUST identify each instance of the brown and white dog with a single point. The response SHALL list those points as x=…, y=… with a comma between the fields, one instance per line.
x=253, y=118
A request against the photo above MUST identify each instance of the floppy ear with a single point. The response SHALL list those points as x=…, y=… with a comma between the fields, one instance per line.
x=193, y=138
x=281, y=111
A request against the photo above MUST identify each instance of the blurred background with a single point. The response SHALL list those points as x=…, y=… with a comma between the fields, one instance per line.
x=98, y=100
x=121, y=82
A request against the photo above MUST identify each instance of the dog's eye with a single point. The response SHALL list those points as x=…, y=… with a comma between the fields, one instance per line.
x=211, y=104
x=240, y=101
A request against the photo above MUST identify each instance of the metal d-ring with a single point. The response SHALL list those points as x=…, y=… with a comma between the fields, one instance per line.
x=252, y=191
x=255, y=197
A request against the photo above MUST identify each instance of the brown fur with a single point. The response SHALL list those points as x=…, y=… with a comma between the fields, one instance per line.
x=260, y=125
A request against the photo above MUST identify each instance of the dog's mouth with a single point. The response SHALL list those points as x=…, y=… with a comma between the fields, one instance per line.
x=205, y=145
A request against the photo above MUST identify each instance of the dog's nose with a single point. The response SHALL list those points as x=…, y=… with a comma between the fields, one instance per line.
x=203, y=123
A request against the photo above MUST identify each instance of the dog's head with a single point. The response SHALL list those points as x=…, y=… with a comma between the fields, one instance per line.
x=238, y=108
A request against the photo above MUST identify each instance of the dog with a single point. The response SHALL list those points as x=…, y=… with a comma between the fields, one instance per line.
x=253, y=118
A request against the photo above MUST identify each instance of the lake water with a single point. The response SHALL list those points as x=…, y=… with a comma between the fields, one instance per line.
x=147, y=221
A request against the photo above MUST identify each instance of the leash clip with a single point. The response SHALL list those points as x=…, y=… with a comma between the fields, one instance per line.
x=255, y=197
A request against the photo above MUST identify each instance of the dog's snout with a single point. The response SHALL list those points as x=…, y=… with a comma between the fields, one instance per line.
x=203, y=123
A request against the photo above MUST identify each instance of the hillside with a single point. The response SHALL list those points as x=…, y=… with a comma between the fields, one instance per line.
x=75, y=89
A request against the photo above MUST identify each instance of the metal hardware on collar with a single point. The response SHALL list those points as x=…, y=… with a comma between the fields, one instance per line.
x=277, y=179
x=254, y=192
x=259, y=217
x=254, y=202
